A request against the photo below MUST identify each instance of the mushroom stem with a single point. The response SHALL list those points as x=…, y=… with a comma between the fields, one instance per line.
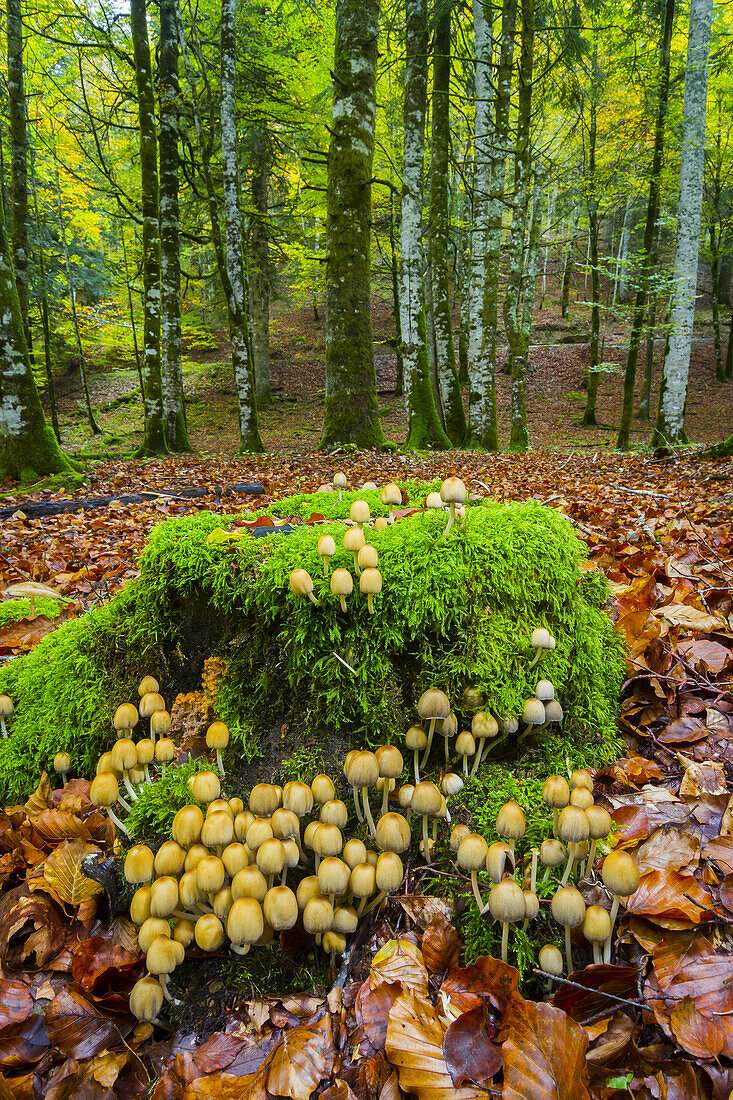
x=477, y=756
x=591, y=856
x=435, y=829
x=368, y=811
x=504, y=940
x=360, y=910
x=343, y=603
x=533, y=873
x=445, y=742
x=555, y=815
x=568, y=868
x=163, y=979
x=326, y=560
x=284, y=875
x=220, y=763
x=357, y=807
x=425, y=838
x=568, y=950
x=125, y=805
x=465, y=767
x=357, y=570
x=147, y=774
x=451, y=517
x=240, y=950
x=417, y=766
x=129, y=787
x=152, y=731
x=474, y=887
x=537, y=658
x=385, y=797
x=370, y=603
x=317, y=861
x=117, y=822
x=429, y=745
x=313, y=600
x=597, y=953
x=376, y=901
x=614, y=912
x=2, y=726
x=270, y=880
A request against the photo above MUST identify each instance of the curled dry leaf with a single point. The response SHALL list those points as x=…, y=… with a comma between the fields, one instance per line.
x=16, y=1006
x=77, y=1027
x=706, y=777
x=668, y=848
x=41, y=799
x=668, y=896
x=699, y=1035
x=372, y=1008
x=31, y=930
x=63, y=874
x=422, y=908
x=471, y=1051
x=441, y=945
x=487, y=978
x=302, y=1060
x=544, y=1055
x=399, y=961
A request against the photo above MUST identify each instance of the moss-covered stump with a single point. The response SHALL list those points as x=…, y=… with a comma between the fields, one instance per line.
x=456, y=611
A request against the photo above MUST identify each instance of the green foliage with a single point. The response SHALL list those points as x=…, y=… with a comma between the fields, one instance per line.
x=159, y=802
x=304, y=765
x=331, y=507
x=13, y=610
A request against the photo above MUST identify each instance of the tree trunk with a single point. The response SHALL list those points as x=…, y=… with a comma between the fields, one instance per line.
x=259, y=271
x=18, y=157
x=174, y=407
x=546, y=260
x=589, y=415
x=154, y=442
x=463, y=268
x=249, y=432
x=621, y=288
x=729, y=352
x=352, y=411
x=394, y=270
x=28, y=447
x=424, y=426
x=44, y=314
x=529, y=288
x=650, y=227
x=714, y=275
x=670, y=426
x=517, y=334
x=450, y=390
x=569, y=261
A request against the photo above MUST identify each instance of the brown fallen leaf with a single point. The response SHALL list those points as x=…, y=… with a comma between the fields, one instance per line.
x=706, y=777
x=666, y=895
x=682, y=614
x=302, y=1060
x=699, y=1035
x=486, y=979
x=372, y=1008
x=441, y=945
x=472, y=1052
x=31, y=930
x=670, y=849
x=77, y=1027
x=16, y=1005
x=422, y=908
x=41, y=799
x=63, y=875
x=544, y=1055
x=399, y=961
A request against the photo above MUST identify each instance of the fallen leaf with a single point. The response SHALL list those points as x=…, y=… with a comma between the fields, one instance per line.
x=302, y=1060
x=441, y=945
x=64, y=876
x=670, y=849
x=77, y=1027
x=486, y=979
x=544, y=1055
x=399, y=961
x=668, y=895
x=706, y=777
x=472, y=1053
x=697, y=1034
x=693, y=618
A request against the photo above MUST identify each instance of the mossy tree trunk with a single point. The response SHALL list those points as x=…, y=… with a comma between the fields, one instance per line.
x=589, y=414
x=154, y=442
x=450, y=389
x=517, y=334
x=650, y=227
x=28, y=446
x=259, y=271
x=45, y=324
x=17, y=126
x=424, y=426
x=249, y=431
x=352, y=411
x=174, y=407
x=670, y=426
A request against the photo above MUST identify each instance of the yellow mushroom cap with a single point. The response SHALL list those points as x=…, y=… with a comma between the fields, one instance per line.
x=209, y=932
x=322, y=789
x=472, y=852
x=245, y=922
x=393, y=833
x=550, y=959
x=568, y=907
x=301, y=582
x=433, y=703
x=596, y=924
x=326, y=546
x=359, y=511
x=506, y=901
x=389, y=872
x=280, y=908
x=342, y=583
x=620, y=874
x=556, y=792
x=510, y=821
x=146, y=998
x=217, y=736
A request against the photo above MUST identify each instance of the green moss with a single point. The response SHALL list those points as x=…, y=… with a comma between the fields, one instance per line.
x=11, y=611
x=330, y=506
x=158, y=803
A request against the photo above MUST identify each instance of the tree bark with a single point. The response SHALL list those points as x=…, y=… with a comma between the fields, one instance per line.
x=352, y=411
x=249, y=431
x=621, y=289
x=589, y=415
x=154, y=441
x=424, y=426
x=18, y=157
x=45, y=325
x=174, y=406
x=670, y=425
x=714, y=275
x=569, y=261
x=650, y=228
x=259, y=274
x=450, y=390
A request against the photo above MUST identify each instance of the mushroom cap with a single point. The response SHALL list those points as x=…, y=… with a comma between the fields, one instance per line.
x=510, y=724
x=453, y=491
x=433, y=500
x=369, y=487
x=340, y=480
x=126, y=717
x=393, y=833
x=506, y=901
x=391, y=495
x=363, y=880
x=104, y=790
x=145, y=751
x=460, y=832
x=581, y=777
x=298, y=797
x=217, y=735
x=137, y=775
x=472, y=853
x=572, y=825
x=389, y=759
x=404, y=796
x=510, y=821
x=568, y=907
x=301, y=582
x=550, y=959
x=334, y=812
x=147, y=684
x=165, y=749
x=205, y=786
x=242, y=822
x=139, y=864
x=164, y=955
x=169, y=859
x=105, y=764
x=151, y=702
x=620, y=874
x=194, y=855
x=531, y=904
x=534, y=712
x=292, y=853
x=235, y=858
x=146, y=998
x=163, y=896
x=359, y=511
x=245, y=922
x=553, y=711
x=354, y=539
x=124, y=754
x=389, y=872
x=380, y=523
x=596, y=924
x=271, y=856
x=318, y=915
x=497, y=857
x=188, y=890
x=581, y=797
x=327, y=840
x=322, y=789
x=354, y=852
x=363, y=770
x=249, y=883
x=150, y=929
x=35, y=589
x=62, y=763
x=342, y=583
x=210, y=874
x=367, y=557
x=184, y=932
x=264, y=799
x=416, y=739
x=209, y=932
x=483, y=724
x=552, y=852
x=326, y=487
x=447, y=727
x=542, y=639
x=451, y=784
x=556, y=792
x=426, y=799
x=307, y=888
x=218, y=806
x=370, y=582
x=140, y=905
x=326, y=546
x=433, y=703
x=258, y=832
x=187, y=825
x=284, y=823
x=333, y=876
x=465, y=743
x=600, y=822
x=345, y=920
x=309, y=833
x=545, y=690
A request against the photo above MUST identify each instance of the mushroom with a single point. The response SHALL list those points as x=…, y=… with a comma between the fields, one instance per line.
x=271, y=859
x=32, y=590
x=334, y=812
x=145, y=755
x=447, y=728
x=459, y=833
x=163, y=896
x=209, y=932
x=380, y=523
x=532, y=715
x=249, y=883
x=553, y=712
x=541, y=641
x=322, y=790
x=427, y=802
x=245, y=924
x=354, y=852
x=353, y=542
x=327, y=841
x=124, y=757
x=139, y=864
x=340, y=481
x=389, y=759
x=552, y=854
x=452, y=492
x=285, y=825
x=483, y=726
x=433, y=704
x=345, y=920
x=416, y=740
x=531, y=907
x=146, y=999
x=393, y=833
x=342, y=583
x=217, y=831
x=451, y=784
x=550, y=959
x=150, y=930
x=369, y=487
x=301, y=584
x=140, y=905
x=596, y=929
x=568, y=909
x=169, y=859
x=581, y=777
x=306, y=889
x=146, y=685
x=359, y=513
x=165, y=749
x=258, y=832
x=621, y=878
x=149, y=703
x=333, y=877
x=572, y=828
x=497, y=857
x=126, y=718
x=6, y=710
x=471, y=857
x=205, y=786
x=556, y=795
x=217, y=737
x=326, y=548
x=582, y=798
x=391, y=497
x=404, y=797
x=362, y=883
x=600, y=824
x=62, y=765
x=465, y=747
x=363, y=773
x=434, y=501
x=334, y=943
x=325, y=487
x=184, y=932
x=389, y=874
x=506, y=904
x=210, y=874
x=370, y=585
x=544, y=691
x=187, y=825
x=510, y=823
x=318, y=916
x=104, y=791
x=160, y=723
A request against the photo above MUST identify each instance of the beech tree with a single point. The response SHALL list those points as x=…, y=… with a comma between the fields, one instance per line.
x=259, y=278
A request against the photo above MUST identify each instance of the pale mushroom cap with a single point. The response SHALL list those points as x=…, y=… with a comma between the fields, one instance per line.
x=433, y=703
x=552, y=852
x=322, y=788
x=318, y=915
x=483, y=724
x=187, y=825
x=510, y=821
x=389, y=872
x=326, y=546
x=367, y=557
x=472, y=853
x=370, y=582
x=325, y=487
x=235, y=858
x=363, y=770
x=581, y=797
x=139, y=864
x=245, y=923
x=210, y=874
x=404, y=796
x=369, y=487
x=620, y=874
x=345, y=920
x=416, y=739
x=433, y=500
x=205, y=787
x=531, y=904
x=363, y=880
x=301, y=582
x=556, y=792
x=465, y=743
x=553, y=711
x=534, y=712
x=170, y=858
x=572, y=825
x=327, y=840
x=542, y=639
x=284, y=823
x=160, y=722
x=146, y=998
x=163, y=896
x=354, y=539
x=389, y=759
x=209, y=932
x=581, y=777
x=393, y=833
x=354, y=852
x=333, y=876
x=6, y=706
x=545, y=690
x=359, y=511
x=104, y=790
x=497, y=858
x=151, y=702
x=148, y=683
x=263, y=799
x=334, y=812
x=258, y=832
x=451, y=784
x=340, y=480
x=600, y=822
x=391, y=495
x=145, y=751
x=426, y=799
x=298, y=797
x=165, y=749
x=447, y=727
x=126, y=717
x=510, y=724
x=342, y=583
x=453, y=491
x=163, y=955
x=150, y=929
x=271, y=856
x=217, y=736
x=306, y=889
x=596, y=924
x=460, y=832
x=506, y=901
x=550, y=959
x=568, y=907
x=249, y=883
